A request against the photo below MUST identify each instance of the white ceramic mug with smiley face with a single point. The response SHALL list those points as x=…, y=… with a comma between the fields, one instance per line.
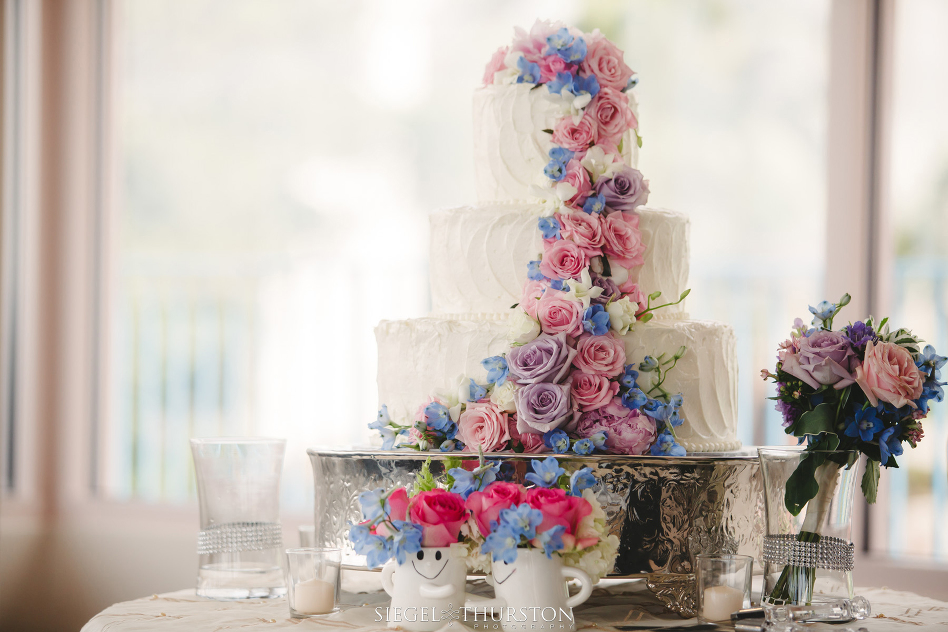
x=427, y=590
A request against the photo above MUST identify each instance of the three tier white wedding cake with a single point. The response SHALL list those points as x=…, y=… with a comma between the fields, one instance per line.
x=558, y=320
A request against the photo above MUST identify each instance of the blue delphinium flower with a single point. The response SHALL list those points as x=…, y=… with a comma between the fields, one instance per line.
x=358, y=533
x=677, y=400
x=594, y=204
x=546, y=472
x=859, y=334
x=589, y=85
x=551, y=540
x=556, y=440
x=533, y=272
x=529, y=71
x=652, y=408
x=929, y=362
x=501, y=544
x=475, y=391
x=559, y=40
x=581, y=479
x=629, y=377
x=633, y=81
x=583, y=447
x=596, y=320
x=384, y=417
x=390, y=436
x=374, y=503
x=406, y=540
x=376, y=549
x=634, y=399
x=450, y=430
x=666, y=445
x=865, y=424
x=575, y=53
x=561, y=155
x=437, y=416
x=648, y=364
x=464, y=484
x=889, y=444
x=559, y=284
x=821, y=312
x=522, y=520
x=562, y=81
x=554, y=170
x=448, y=445
x=549, y=227
x=599, y=439
x=497, y=369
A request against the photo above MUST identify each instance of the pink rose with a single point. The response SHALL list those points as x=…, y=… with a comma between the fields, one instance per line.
x=485, y=506
x=440, y=514
x=495, y=65
x=563, y=259
x=592, y=391
x=551, y=65
x=610, y=109
x=578, y=177
x=623, y=239
x=576, y=137
x=627, y=431
x=631, y=289
x=561, y=509
x=600, y=355
x=398, y=509
x=533, y=443
x=889, y=373
x=822, y=358
x=484, y=425
x=558, y=313
x=583, y=229
x=605, y=60
x=530, y=296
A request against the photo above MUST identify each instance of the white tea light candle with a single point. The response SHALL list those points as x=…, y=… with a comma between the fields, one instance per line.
x=314, y=596
x=720, y=601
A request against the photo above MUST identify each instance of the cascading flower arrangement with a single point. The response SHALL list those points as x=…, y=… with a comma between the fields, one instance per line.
x=863, y=388
x=564, y=384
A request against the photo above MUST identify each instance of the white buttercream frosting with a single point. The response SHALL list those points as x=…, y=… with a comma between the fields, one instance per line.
x=510, y=146
x=479, y=256
x=420, y=356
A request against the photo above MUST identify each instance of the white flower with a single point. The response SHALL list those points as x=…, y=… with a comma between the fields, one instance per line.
x=521, y=328
x=620, y=275
x=599, y=164
x=509, y=74
x=449, y=396
x=568, y=105
x=503, y=396
x=622, y=314
x=583, y=290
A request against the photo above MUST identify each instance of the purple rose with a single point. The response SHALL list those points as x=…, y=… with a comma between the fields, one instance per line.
x=822, y=358
x=542, y=407
x=609, y=289
x=624, y=191
x=628, y=431
x=546, y=358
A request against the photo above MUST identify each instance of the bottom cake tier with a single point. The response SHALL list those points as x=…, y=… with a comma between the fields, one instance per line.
x=664, y=510
x=421, y=356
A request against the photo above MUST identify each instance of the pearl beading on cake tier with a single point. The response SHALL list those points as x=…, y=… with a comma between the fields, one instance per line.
x=421, y=356
x=510, y=146
x=479, y=256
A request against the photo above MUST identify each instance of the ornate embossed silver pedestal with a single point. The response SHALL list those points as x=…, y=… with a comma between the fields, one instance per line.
x=665, y=510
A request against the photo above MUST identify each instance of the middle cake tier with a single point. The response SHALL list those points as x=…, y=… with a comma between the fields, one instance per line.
x=422, y=356
x=480, y=256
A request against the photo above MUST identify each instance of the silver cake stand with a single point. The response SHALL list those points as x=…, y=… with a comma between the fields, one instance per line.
x=665, y=510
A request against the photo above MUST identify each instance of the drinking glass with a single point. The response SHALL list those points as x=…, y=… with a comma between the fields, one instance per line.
x=241, y=540
x=724, y=585
x=312, y=581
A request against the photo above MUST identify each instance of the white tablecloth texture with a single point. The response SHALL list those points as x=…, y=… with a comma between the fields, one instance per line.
x=627, y=604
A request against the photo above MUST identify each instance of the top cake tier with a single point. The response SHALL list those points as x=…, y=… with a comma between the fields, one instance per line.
x=511, y=147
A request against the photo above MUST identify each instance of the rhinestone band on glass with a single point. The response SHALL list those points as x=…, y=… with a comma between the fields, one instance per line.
x=240, y=536
x=831, y=553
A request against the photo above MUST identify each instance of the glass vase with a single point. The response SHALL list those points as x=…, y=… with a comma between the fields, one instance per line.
x=808, y=556
x=240, y=545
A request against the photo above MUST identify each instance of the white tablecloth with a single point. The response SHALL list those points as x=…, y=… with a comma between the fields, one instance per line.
x=620, y=604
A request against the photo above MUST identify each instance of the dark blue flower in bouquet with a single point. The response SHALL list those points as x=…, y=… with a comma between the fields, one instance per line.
x=501, y=544
x=546, y=472
x=522, y=520
x=551, y=540
x=559, y=284
x=889, y=444
x=932, y=390
x=562, y=80
x=634, y=399
x=561, y=155
x=629, y=377
x=581, y=479
x=930, y=363
x=556, y=440
x=406, y=540
x=594, y=204
x=865, y=424
x=533, y=272
x=507, y=471
x=554, y=170
x=529, y=71
x=497, y=369
x=596, y=320
x=666, y=445
x=583, y=447
x=860, y=334
x=599, y=439
x=549, y=227
x=822, y=311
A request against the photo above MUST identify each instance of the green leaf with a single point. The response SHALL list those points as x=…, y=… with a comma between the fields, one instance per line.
x=816, y=421
x=621, y=144
x=870, y=481
x=606, y=267
x=647, y=317
x=514, y=306
x=684, y=294
x=548, y=131
x=802, y=486
x=638, y=139
x=424, y=480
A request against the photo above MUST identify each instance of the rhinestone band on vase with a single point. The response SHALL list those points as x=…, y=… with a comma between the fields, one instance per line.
x=240, y=536
x=830, y=553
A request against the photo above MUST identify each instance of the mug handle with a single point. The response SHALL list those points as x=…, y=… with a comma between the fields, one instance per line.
x=387, y=571
x=586, y=585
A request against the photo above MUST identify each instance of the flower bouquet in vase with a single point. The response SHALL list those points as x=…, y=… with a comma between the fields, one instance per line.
x=863, y=389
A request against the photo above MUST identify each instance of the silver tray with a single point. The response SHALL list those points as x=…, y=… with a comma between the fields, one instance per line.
x=665, y=510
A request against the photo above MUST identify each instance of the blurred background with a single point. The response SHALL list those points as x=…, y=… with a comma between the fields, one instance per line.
x=209, y=204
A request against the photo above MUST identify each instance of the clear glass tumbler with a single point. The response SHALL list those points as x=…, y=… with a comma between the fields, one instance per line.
x=240, y=544
x=724, y=585
x=312, y=581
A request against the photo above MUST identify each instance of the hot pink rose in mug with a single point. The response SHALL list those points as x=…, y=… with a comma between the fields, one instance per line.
x=889, y=373
x=440, y=513
x=559, y=508
x=485, y=506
